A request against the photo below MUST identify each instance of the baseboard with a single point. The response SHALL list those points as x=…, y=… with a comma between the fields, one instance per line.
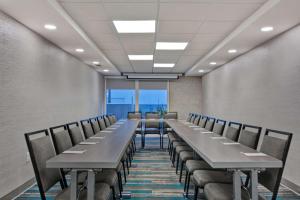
x=291, y=185
x=13, y=194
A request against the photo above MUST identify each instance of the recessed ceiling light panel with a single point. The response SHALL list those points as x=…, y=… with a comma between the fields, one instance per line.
x=79, y=50
x=140, y=57
x=50, y=26
x=140, y=26
x=267, y=29
x=164, y=65
x=171, y=45
x=232, y=51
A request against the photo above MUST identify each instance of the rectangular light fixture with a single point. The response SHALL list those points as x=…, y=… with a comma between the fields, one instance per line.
x=140, y=57
x=171, y=45
x=164, y=65
x=139, y=26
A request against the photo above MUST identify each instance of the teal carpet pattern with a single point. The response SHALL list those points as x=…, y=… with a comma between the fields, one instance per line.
x=152, y=177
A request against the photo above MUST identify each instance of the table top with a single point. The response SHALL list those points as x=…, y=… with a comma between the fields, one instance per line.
x=106, y=153
x=218, y=152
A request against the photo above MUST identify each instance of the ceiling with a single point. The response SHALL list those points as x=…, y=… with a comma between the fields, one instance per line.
x=210, y=27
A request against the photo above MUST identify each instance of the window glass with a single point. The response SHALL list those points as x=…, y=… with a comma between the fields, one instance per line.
x=152, y=101
x=120, y=102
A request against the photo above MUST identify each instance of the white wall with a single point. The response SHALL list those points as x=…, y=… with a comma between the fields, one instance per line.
x=40, y=86
x=185, y=96
x=261, y=88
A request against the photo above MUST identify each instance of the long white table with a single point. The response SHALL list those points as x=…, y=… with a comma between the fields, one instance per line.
x=106, y=153
x=220, y=152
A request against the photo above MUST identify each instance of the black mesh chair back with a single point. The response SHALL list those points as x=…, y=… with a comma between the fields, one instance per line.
x=250, y=137
x=197, y=119
x=61, y=138
x=106, y=120
x=101, y=123
x=95, y=125
x=40, y=150
x=202, y=121
x=75, y=132
x=219, y=127
x=233, y=131
x=87, y=128
x=209, y=123
x=277, y=147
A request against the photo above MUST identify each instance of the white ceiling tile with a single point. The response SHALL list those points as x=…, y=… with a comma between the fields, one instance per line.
x=142, y=66
x=138, y=41
x=175, y=27
x=162, y=70
x=184, y=63
x=196, y=52
x=184, y=11
x=131, y=11
x=86, y=11
x=218, y=27
x=174, y=37
x=205, y=41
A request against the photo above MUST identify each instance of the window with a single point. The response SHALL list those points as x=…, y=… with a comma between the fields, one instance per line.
x=153, y=101
x=120, y=102
x=120, y=97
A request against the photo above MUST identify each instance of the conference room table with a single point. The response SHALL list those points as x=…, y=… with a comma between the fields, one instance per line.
x=102, y=151
x=222, y=153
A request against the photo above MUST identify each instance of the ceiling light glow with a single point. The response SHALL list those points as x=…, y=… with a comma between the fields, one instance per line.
x=212, y=63
x=164, y=65
x=232, y=51
x=79, y=50
x=50, y=26
x=105, y=70
x=96, y=62
x=201, y=71
x=267, y=29
x=140, y=26
x=140, y=57
x=171, y=45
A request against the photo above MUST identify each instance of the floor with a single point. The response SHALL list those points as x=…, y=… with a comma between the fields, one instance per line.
x=152, y=177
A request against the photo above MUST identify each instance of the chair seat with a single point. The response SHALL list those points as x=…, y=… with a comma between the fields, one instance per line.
x=102, y=192
x=152, y=131
x=108, y=176
x=192, y=165
x=186, y=155
x=221, y=191
x=183, y=148
x=178, y=143
x=202, y=177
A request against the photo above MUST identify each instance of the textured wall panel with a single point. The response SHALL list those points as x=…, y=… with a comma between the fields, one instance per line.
x=40, y=86
x=262, y=88
x=185, y=96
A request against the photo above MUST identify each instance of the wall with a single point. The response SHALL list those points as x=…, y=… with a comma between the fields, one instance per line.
x=40, y=86
x=185, y=96
x=261, y=88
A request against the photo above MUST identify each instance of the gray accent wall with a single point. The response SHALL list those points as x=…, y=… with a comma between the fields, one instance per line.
x=40, y=86
x=185, y=96
x=261, y=87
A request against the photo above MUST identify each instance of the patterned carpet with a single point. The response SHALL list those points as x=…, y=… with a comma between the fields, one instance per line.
x=152, y=177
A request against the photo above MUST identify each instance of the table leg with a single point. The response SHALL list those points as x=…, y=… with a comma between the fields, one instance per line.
x=74, y=177
x=254, y=183
x=237, y=185
x=91, y=185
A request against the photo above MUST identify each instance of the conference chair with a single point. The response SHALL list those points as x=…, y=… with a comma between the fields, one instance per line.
x=193, y=118
x=101, y=123
x=233, y=131
x=87, y=128
x=219, y=127
x=106, y=120
x=202, y=121
x=166, y=128
x=197, y=119
x=188, y=119
x=152, y=125
x=210, y=121
x=40, y=150
x=95, y=125
x=75, y=132
x=276, y=144
x=139, y=129
x=111, y=119
x=249, y=137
